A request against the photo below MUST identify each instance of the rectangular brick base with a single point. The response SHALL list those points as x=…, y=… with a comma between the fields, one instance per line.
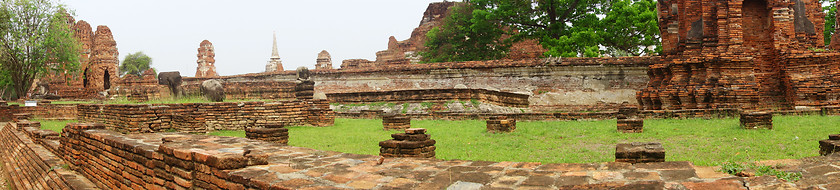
x=639, y=152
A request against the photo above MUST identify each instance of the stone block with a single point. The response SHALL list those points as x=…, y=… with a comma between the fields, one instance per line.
x=630, y=125
x=757, y=120
x=413, y=143
x=830, y=146
x=639, y=152
x=271, y=132
x=500, y=124
x=398, y=122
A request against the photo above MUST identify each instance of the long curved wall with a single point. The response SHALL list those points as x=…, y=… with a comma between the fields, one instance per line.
x=560, y=83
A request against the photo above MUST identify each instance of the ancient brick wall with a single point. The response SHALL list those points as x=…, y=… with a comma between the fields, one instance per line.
x=562, y=84
x=258, y=89
x=432, y=95
x=29, y=165
x=195, y=117
x=50, y=111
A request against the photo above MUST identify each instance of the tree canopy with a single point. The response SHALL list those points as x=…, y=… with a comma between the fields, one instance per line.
x=567, y=28
x=36, y=39
x=135, y=63
x=465, y=35
x=831, y=11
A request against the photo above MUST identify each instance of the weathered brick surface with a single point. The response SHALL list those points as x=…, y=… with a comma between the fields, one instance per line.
x=638, y=152
x=830, y=145
x=574, y=84
x=200, y=117
x=630, y=125
x=396, y=122
x=413, y=143
x=184, y=161
x=29, y=165
x=744, y=54
x=250, y=89
x=500, y=124
x=756, y=120
x=206, y=60
x=433, y=95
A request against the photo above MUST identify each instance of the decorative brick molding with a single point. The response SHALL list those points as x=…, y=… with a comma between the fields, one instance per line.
x=757, y=120
x=433, y=95
x=639, y=152
x=413, y=143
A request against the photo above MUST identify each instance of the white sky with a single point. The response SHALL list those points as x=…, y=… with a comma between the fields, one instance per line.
x=170, y=31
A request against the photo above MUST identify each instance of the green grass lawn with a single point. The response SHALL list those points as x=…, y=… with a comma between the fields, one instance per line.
x=701, y=141
x=54, y=125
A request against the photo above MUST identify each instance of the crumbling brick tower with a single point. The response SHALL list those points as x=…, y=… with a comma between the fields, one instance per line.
x=206, y=60
x=751, y=54
x=103, y=67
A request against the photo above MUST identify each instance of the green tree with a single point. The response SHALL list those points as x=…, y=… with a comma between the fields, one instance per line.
x=831, y=12
x=135, y=63
x=465, y=35
x=36, y=39
x=629, y=27
x=571, y=28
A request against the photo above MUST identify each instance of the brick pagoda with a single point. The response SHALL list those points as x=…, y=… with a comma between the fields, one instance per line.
x=752, y=54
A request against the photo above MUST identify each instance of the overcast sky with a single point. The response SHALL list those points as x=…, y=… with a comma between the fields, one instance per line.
x=170, y=31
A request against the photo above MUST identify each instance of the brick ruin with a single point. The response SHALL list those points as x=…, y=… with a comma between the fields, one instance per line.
x=206, y=60
x=752, y=54
x=324, y=60
x=639, y=152
x=204, y=117
x=405, y=52
x=99, y=65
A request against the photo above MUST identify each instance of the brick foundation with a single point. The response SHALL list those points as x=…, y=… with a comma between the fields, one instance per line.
x=202, y=117
x=371, y=114
x=831, y=145
x=413, y=143
x=500, y=124
x=757, y=120
x=396, y=122
x=639, y=152
x=29, y=165
x=630, y=125
x=270, y=132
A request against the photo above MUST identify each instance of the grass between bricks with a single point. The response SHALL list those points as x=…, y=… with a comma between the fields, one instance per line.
x=54, y=125
x=703, y=142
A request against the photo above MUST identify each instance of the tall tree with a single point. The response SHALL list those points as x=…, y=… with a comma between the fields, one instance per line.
x=465, y=35
x=35, y=39
x=135, y=63
x=630, y=27
x=571, y=28
x=830, y=9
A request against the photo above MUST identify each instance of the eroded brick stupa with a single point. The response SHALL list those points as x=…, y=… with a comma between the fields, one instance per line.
x=324, y=60
x=751, y=54
x=206, y=60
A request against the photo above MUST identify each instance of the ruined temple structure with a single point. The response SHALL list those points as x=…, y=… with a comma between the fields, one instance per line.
x=405, y=52
x=274, y=63
x=751, y=54
x=99, y=64
x=206, y=60
x=324, y=60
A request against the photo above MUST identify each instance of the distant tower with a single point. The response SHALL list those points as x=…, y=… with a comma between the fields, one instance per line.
x=324, y=60
x=274, y=63
x=206, y=60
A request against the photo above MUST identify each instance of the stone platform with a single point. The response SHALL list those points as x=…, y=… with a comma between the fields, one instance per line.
x=185, y=161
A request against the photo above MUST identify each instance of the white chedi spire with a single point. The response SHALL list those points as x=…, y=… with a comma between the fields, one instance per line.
x=274, y=53
x=274, y=63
